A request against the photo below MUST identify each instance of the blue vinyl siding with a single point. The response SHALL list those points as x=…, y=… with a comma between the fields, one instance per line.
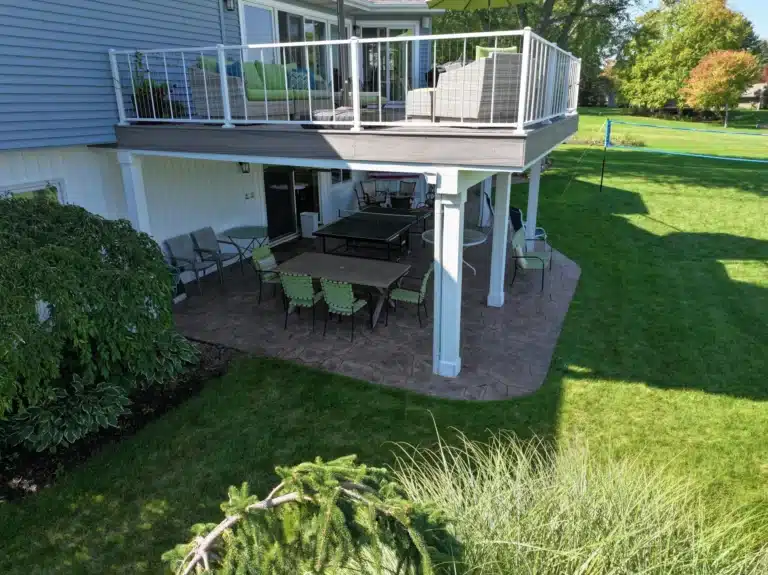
x=55, y=80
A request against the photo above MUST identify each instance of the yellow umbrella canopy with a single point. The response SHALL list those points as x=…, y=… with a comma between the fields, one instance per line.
x=473, y=4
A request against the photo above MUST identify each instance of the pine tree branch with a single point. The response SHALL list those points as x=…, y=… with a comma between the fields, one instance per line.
x=200, y=552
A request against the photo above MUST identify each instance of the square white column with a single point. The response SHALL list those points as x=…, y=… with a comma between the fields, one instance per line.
x=534, y=178
x=449, y=236
x=133, y=188
x=499, y=239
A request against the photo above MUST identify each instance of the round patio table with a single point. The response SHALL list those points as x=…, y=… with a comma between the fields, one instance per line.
x=471, y=238
x=253, y=234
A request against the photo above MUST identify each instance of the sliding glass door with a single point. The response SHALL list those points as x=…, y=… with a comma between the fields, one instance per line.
x=387, y=65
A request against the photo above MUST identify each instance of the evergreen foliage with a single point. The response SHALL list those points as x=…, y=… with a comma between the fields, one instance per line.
x=85, y=319
x=334, y=517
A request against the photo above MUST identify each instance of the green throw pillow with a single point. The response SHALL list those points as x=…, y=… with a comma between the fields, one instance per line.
x=208, y=63
x=253, y=79
x=484, y=51
x=273, y=75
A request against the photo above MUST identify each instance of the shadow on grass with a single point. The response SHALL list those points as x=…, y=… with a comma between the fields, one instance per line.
x=669, y=170
x=656, y=304
x=127, y=505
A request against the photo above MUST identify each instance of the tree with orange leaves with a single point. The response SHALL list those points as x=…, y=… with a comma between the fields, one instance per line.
x=719, y=79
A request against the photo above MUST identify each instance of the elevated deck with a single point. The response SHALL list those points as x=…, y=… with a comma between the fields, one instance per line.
x=472, y=148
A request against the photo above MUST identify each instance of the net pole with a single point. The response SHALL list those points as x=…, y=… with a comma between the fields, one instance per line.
x=606, y=143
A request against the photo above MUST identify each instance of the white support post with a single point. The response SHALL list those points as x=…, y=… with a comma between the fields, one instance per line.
x=133, y=188
x=499, y=245
x=354, y=57
x=521, y=102
x=325, y=194
x=449, y=236
x=534, y=178
x=118, y=88
x=224, y=83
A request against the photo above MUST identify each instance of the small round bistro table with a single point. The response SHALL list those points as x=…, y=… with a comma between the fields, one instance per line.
x=471, y=238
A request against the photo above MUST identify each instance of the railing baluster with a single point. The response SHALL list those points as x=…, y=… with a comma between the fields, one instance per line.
x=186, y=85
x=405, y=79
x=133, y=87
x=205, y=85
x=264, y=82
x=433, y=95
x=309, y=81
x=378, y=74
x=224, y=83
x=463, y=63
x=168, y=86
x=354, y=43
x=151, y=86
x=242, y=82
x=330, y=72
x=285, y=78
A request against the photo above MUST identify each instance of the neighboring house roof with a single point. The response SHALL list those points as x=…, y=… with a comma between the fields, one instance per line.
x=755, y=90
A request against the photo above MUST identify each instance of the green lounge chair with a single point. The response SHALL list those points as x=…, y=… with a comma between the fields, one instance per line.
x=299, y=292
x=263, y=261
x=341, y=300
x=417, y=297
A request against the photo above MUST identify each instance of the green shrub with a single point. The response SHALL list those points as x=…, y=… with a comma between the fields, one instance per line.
x=85, y=309
x=335, y=518
x=520, y=507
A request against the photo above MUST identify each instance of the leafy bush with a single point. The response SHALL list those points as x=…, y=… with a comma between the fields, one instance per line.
x=85, y=311
x=334, y=517
x=520, y=507
x=70, y=414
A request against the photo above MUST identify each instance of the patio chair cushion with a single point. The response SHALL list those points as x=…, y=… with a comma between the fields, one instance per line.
x=340, y=297
x=274, y=75
x=264, y=260
x=259, y=94
x=487, y=51
x=405, y=295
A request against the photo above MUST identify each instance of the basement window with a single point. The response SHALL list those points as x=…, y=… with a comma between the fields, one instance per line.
x=47, y=190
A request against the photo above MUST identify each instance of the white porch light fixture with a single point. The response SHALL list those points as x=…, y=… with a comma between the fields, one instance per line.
x=245, y=167
x=229, y=5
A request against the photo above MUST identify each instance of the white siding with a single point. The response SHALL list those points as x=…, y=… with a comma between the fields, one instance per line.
x=185, y=195
x=90, y=177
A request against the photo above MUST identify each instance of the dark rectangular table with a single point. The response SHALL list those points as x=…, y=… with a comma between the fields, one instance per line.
x=358, y=271
x=376, y=226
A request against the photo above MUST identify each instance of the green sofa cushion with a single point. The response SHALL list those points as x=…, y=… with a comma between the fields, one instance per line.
x=371, y=98
x=273, y=75
x=484, y=51
x=252, y=77
x=304, y=94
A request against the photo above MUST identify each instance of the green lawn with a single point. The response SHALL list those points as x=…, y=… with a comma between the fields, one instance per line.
x=662, y=358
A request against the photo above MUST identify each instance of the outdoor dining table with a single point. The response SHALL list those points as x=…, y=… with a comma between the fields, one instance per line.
x=253, y=234
x=377, y=274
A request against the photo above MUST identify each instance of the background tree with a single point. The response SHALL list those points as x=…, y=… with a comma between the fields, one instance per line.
x=719, y=80
x=670, y=42
x=593, y=30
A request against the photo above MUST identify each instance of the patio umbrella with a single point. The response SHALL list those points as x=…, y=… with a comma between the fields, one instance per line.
x=475, y=5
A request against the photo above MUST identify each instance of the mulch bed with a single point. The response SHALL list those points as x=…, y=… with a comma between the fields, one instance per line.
x=25, y=472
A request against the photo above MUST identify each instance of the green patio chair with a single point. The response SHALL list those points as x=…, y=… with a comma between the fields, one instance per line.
x=299, y=292
x=529, y=260
x=264, y=262
x=341, y=300
x=417, y=297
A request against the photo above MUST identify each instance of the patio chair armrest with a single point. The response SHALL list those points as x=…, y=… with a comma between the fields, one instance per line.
x=228, y=242
x=203, y=251
x=529, y=257
x=180, y=259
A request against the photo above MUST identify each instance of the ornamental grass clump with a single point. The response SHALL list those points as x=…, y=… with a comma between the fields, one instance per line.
x=522, y=507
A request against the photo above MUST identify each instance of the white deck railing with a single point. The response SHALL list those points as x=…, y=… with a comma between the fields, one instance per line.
x=511, y=79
